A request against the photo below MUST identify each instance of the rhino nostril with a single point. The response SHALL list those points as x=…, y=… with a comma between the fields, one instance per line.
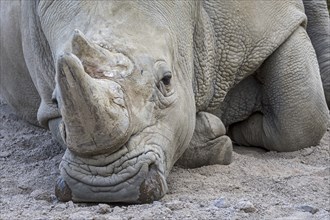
x=62, y=190
x=54, y=101
x=152, y=188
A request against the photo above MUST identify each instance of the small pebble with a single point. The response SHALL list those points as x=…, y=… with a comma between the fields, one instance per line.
x=307, y=208
x=175, y=205
x=5, y=154
x=70, y=204
x=220, y=203
x=117, y=209
x=156, y=203
x=80, y=215
x=23, y=186
x=147, y=216
x=101, y=217
x=41, y=195
x=307, y=151
x=246, y=206
x=60, y=206
x=103, y=208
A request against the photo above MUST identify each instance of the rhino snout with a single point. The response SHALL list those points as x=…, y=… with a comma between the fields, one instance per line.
x=152, y=188
x=125, y=176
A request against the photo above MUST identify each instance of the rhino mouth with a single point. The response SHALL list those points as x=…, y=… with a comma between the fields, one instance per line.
x=130, y=175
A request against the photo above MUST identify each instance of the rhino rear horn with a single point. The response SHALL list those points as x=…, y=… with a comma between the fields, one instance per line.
x=82, y=47
x=99, y=62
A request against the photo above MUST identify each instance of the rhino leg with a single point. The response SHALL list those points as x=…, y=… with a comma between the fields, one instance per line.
x=209, y=144
x=293, y=112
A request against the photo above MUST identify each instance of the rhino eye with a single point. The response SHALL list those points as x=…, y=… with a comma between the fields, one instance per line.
x=166, y=80
x=164, y=73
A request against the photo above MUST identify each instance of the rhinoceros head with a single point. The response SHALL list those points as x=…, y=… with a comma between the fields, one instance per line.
x=124, y=90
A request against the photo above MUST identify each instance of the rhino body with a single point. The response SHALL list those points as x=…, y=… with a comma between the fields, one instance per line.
x=131, y=87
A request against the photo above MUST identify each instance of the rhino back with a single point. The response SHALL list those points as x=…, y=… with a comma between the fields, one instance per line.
x=246, y=33
x=16, y=85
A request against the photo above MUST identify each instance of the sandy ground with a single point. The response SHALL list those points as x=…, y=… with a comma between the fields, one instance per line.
x=257, y=185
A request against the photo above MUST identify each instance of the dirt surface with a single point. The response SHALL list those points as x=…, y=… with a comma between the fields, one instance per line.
x=257, y=185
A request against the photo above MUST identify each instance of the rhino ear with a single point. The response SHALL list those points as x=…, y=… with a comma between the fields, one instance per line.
x=204, y=57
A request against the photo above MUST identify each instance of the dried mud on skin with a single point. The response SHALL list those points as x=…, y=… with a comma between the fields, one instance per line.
x=257, y=185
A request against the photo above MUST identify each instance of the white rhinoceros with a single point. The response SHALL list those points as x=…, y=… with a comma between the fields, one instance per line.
x=129, y=87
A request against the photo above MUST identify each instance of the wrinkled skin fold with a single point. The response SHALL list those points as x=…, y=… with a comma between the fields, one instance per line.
x=129, y=88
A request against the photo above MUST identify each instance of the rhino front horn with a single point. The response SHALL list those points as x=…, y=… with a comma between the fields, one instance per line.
x=94, y=111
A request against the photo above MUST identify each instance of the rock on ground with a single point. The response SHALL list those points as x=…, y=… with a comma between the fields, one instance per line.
x=257, y=185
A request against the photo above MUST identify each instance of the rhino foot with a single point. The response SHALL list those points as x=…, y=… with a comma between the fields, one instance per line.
x=209, y=144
